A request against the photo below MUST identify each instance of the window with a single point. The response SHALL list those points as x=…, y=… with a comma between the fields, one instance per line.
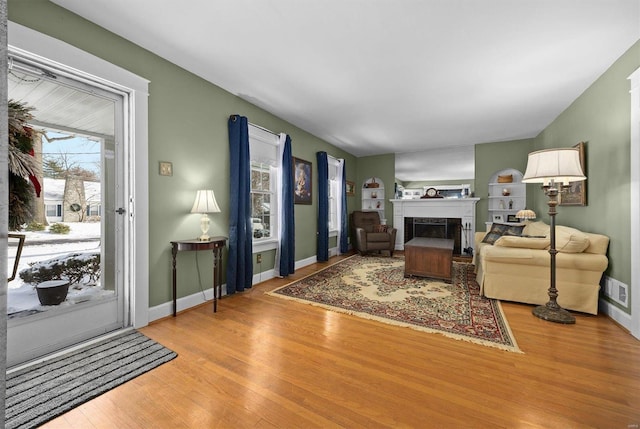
x=334, y=194
x=53, y=210
x=262, y=196
x=335, y=185
x=93, y=210
x=263, y=147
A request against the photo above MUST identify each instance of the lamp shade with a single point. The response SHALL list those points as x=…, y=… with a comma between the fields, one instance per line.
x=526, y=214
x=558, y=165
x=205, y=202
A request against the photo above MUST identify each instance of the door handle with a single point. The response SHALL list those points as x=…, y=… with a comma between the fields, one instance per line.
x=121, y=211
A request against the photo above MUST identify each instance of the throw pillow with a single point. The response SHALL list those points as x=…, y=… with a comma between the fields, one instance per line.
x=514, y=230
x=570, y=240
x=498, y=230
x=523, y=242
x=380, y=228
x=536, y=229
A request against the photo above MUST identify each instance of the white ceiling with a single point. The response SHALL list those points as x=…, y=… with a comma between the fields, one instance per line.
x=383, y=76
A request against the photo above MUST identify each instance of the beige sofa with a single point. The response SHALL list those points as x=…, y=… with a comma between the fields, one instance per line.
x=516, y=268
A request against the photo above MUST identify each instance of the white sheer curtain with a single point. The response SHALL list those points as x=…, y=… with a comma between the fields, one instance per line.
x=341, y=210
x=276, y=266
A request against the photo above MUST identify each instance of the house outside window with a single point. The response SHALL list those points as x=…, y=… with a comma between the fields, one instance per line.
x=263, y=150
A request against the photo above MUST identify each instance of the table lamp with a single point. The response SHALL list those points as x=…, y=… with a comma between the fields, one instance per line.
x=205, y=203
x=526, y=214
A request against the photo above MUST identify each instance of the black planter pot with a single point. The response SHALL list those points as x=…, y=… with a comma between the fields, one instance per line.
x=52, y=292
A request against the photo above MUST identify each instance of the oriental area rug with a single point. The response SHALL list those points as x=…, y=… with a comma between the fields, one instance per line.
x=375, y=288
x=43, y=391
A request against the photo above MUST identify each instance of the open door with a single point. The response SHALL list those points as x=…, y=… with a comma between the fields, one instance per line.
x=82, y=129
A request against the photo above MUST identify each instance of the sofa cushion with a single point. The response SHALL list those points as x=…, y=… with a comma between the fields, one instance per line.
x=536, y=229
x=598, y=243
x=523, y=242
x=374, y=237
x=570, y=240
x=498, y=230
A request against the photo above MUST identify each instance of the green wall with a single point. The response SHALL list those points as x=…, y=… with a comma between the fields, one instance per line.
x=601, y=118
x=491, y=158
x=188, y=127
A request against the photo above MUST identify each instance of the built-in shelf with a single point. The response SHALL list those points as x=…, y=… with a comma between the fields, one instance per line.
x=373, y=198
x=506, y=199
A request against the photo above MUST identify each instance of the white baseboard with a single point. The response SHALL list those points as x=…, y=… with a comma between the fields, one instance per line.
x=186, y=302
x=622, y=318
x=166, y=309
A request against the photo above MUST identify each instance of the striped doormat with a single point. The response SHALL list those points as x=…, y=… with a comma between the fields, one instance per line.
x=41, y=392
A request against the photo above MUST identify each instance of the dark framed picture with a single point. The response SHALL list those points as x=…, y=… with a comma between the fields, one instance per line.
x=512, y=218
x=302, y=181
x=351, y=188
x=576, y=195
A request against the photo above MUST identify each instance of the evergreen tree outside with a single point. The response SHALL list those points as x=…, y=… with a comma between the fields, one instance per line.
x=22, y=164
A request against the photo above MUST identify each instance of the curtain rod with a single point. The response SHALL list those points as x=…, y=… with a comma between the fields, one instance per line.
x=264, y=129
x=233, y=118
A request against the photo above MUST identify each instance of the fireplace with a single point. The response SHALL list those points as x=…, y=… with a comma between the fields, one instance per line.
x=462, y=210
x=434, y=227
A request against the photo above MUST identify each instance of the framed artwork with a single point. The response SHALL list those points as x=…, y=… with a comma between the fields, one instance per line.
x=498, y=219
x=512, y=218
x=351, y=188
x=302, y=181
x=576, y=195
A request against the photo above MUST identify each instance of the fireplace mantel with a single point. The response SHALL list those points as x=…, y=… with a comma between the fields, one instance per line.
x=463, y=208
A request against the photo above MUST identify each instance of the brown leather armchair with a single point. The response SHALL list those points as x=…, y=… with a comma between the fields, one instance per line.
x=370, y=235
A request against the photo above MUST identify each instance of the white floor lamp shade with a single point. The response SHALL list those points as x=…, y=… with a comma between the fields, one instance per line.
x=554, y=168
x=205, y=203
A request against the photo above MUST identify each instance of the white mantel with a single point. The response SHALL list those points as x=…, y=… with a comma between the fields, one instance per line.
x=462, y=208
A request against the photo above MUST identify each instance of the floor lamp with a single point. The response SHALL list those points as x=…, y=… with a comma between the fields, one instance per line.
x=554, y=168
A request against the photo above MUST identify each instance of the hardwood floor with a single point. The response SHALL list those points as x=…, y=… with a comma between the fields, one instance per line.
x=265, y=362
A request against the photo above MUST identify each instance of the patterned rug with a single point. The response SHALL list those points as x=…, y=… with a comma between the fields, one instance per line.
x=375, y=288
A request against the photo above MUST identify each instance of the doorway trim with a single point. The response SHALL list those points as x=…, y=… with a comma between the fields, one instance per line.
x=635, y=202
x=53, y=50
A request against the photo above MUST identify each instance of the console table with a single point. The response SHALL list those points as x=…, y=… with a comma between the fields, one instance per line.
x=216, y=244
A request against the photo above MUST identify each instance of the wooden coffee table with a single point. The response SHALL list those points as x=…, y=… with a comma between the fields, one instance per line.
x=428, y=257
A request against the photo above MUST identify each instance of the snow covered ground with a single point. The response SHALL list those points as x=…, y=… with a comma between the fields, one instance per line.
x=22, y=299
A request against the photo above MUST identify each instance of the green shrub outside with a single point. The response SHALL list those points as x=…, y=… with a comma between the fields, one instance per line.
x=35, y=226
x=59, y=228
x=76, y=267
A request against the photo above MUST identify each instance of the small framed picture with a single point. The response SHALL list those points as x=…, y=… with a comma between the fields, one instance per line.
x=512, y=218
x=302, y=185
x=351, y=188
x=576, y=195
x=498, y=219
